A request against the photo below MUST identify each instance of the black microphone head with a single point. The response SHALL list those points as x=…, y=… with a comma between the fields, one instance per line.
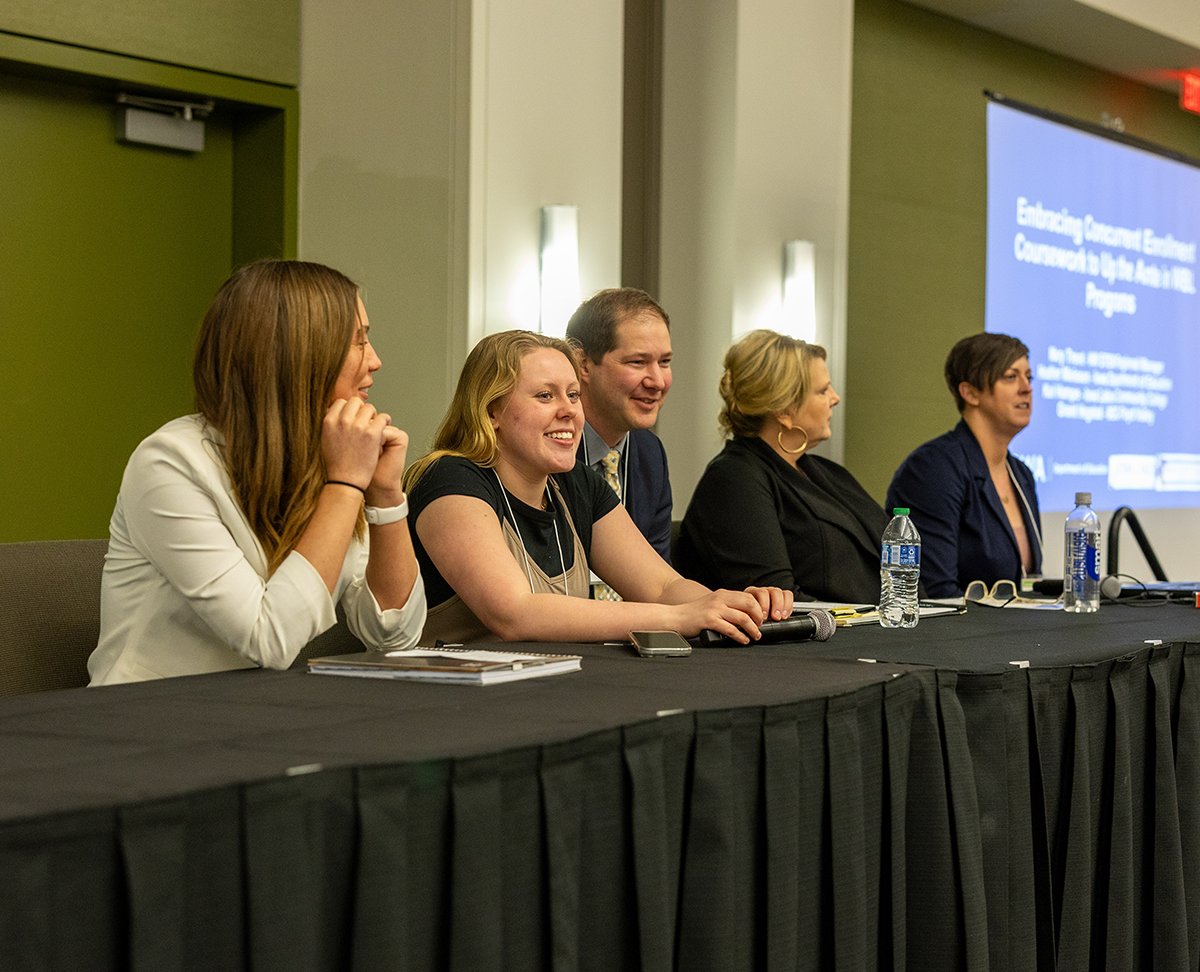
x=1048, y=586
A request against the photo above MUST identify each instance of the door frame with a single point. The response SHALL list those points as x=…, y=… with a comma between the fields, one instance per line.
x=266, y=128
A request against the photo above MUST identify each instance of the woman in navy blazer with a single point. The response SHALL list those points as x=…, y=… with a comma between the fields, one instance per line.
x=975, y=503
x=766, y=511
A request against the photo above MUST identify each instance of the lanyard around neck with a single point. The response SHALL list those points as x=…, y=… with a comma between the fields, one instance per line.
x=524, y=550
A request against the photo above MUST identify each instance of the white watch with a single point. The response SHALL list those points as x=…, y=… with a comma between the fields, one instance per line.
x=382, y=515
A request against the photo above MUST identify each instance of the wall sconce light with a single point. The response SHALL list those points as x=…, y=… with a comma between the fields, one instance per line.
x=559, y=268
x=800, y=290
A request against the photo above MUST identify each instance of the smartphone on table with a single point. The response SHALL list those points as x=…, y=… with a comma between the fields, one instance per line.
x=659, y=644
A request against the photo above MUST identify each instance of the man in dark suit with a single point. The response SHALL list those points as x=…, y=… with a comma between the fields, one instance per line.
x=625, y=360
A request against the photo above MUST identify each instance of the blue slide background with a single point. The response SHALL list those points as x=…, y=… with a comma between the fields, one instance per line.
x=1062, y=167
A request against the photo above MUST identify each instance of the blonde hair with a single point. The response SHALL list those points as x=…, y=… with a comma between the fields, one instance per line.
x=491, y=372
x=268, y=356
x=766, y=373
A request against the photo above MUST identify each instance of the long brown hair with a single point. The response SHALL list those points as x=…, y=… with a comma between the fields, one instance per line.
x=269, y=353
x=490, y=373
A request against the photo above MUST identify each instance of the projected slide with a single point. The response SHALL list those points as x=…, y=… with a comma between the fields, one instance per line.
x=1091, y=261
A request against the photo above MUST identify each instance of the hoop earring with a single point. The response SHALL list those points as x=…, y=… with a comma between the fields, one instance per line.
x=792, y=452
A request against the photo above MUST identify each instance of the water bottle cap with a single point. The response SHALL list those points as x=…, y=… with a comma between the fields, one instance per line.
x=1083, y=499
x=900, y=511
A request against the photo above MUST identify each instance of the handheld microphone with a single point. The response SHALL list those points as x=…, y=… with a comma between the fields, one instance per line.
x=810, y=626
x=1048, y=587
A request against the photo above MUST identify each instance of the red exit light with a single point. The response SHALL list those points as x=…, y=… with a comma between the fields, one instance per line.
x=1189, y=93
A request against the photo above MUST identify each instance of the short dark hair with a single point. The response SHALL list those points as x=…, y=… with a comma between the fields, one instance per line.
x=593, y=326
x=980, y=360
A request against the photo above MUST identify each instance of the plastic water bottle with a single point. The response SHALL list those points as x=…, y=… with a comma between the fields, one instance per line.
x=1081, y=558
x=899, y=572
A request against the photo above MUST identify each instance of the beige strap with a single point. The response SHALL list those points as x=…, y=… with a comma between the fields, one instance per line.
x=454, y=623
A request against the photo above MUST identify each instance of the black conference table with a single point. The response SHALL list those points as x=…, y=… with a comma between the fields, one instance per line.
x=1000, y=790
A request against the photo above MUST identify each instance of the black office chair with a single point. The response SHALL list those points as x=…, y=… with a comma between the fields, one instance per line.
x=50, y=616
x=49, y=613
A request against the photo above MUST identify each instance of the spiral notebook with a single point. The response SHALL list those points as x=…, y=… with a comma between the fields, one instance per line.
x=451, y=666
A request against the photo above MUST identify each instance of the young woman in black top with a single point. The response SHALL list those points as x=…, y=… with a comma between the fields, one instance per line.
x=507, y=523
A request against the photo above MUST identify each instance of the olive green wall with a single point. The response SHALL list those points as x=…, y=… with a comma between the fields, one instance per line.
x=918, y=205
x=111, y=254
x=99, y=300
x=257, y=39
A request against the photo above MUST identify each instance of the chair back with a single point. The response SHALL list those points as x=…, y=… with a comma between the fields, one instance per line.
x=49, y=613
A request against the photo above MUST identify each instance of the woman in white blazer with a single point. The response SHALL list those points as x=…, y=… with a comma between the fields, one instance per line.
x=238, y=529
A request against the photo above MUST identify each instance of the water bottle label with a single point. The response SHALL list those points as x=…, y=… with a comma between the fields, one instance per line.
x=900, y=555
x=1083, y=551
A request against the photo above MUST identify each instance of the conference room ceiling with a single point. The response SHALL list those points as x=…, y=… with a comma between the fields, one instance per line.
x=1164, y=41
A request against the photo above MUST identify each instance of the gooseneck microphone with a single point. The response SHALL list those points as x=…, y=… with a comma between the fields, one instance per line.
x=1110, y=587
x=809, y=626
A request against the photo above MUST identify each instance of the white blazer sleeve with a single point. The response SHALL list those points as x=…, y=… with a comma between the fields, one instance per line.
x=180, y=514
x=388, y=630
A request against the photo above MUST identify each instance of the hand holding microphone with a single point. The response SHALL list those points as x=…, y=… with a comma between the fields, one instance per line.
x=809, y=626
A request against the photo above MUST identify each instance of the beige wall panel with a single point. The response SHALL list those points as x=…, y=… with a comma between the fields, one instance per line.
x=545, y=130
x=756, y=143
x=382, y=185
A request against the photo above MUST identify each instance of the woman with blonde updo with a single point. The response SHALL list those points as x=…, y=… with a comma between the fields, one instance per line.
x=766, y=511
